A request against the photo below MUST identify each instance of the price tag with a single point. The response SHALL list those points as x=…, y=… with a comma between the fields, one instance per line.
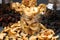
x=50, y=6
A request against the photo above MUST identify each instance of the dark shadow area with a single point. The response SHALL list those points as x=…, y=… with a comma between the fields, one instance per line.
x=52, y=21
x=8, y=16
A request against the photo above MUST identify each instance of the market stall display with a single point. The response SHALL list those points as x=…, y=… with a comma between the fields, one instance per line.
x=28, y=27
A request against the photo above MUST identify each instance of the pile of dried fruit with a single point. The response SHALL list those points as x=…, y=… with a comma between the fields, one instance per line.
x=28, y=28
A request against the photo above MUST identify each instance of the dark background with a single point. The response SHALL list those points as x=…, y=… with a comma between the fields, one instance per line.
x=38, y=1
